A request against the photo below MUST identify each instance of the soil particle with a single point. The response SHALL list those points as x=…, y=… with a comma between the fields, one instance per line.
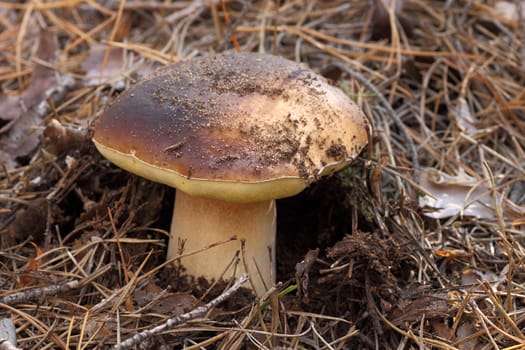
x=337, y=151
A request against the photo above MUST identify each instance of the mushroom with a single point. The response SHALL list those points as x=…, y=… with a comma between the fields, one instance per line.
x=232, y=133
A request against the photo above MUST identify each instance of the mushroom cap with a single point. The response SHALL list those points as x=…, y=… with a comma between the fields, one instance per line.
x=238, y=127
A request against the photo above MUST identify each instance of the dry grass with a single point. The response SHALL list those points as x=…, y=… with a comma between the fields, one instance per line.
x=82, y=264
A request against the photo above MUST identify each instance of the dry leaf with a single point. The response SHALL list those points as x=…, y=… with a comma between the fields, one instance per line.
x=24, y=133
x=175, y=304
x=464, y=330
x=302, y=272
x=32, y=266
x=26, y=112
x=30, y=222
x=7, y=330
x=473, y=276
x=509, y=9
x=99, y=72
x=420, y=301
x=464, y=119
x=163, y=302
x=455, y=195
x=43, y=77
x=442, y=328
x=101, y=325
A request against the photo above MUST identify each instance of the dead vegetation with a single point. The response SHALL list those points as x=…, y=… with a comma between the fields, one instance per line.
x=419, y=245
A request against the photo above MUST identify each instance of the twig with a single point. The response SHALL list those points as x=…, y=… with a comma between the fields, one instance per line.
x=319, y=336
x=228, y=22
x=35, y=293
x=195, y=313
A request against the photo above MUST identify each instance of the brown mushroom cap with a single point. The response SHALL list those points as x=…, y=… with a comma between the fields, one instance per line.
x=240, y=127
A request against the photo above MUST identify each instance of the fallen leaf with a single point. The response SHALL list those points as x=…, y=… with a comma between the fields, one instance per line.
x=473, y=276
x=442, y=328
x=163, y=302
x=509, y=9
x=465, y=330
x=21, y=135
x=419, y=301
x=100, y=72
x=464, y=118
x=102, y=326
x=8, y=331
x=24, y=133
x=466, y=122
x=175, y=304
x=449, y=195
x=302, y=272
x=30, y=222
x=32, y=266
x=43, y=77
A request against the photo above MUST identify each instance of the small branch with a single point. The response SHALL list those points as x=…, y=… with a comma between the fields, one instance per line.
x=228, y=21
x=36, y=293
x=193, y=314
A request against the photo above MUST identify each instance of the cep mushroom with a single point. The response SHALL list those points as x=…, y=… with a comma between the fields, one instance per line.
x=231, y=133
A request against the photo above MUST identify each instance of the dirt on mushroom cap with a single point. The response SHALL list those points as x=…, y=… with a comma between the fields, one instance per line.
x=245, y=118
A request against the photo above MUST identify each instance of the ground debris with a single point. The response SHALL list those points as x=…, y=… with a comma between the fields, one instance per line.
x=30, y=222
x=99, y=70
x=152, y=298
x=368, y=252
x=43, y=78
x=462, y=195
x=58, y=138
x=26, y=111
x=302, y=273
x=36, y=293
x=420, y=302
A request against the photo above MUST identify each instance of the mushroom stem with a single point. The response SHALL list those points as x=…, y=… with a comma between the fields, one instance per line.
x=201, y=222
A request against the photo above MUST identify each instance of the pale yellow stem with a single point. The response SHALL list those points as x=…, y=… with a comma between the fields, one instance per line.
x=201, y=222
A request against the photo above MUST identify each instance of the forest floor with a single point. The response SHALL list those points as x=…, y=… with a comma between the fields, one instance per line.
x=419, y=244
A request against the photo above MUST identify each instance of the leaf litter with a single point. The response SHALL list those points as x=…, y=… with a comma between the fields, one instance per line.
x=461, y=195
x=25, y=112
x=100, y=70
x=418, y=245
